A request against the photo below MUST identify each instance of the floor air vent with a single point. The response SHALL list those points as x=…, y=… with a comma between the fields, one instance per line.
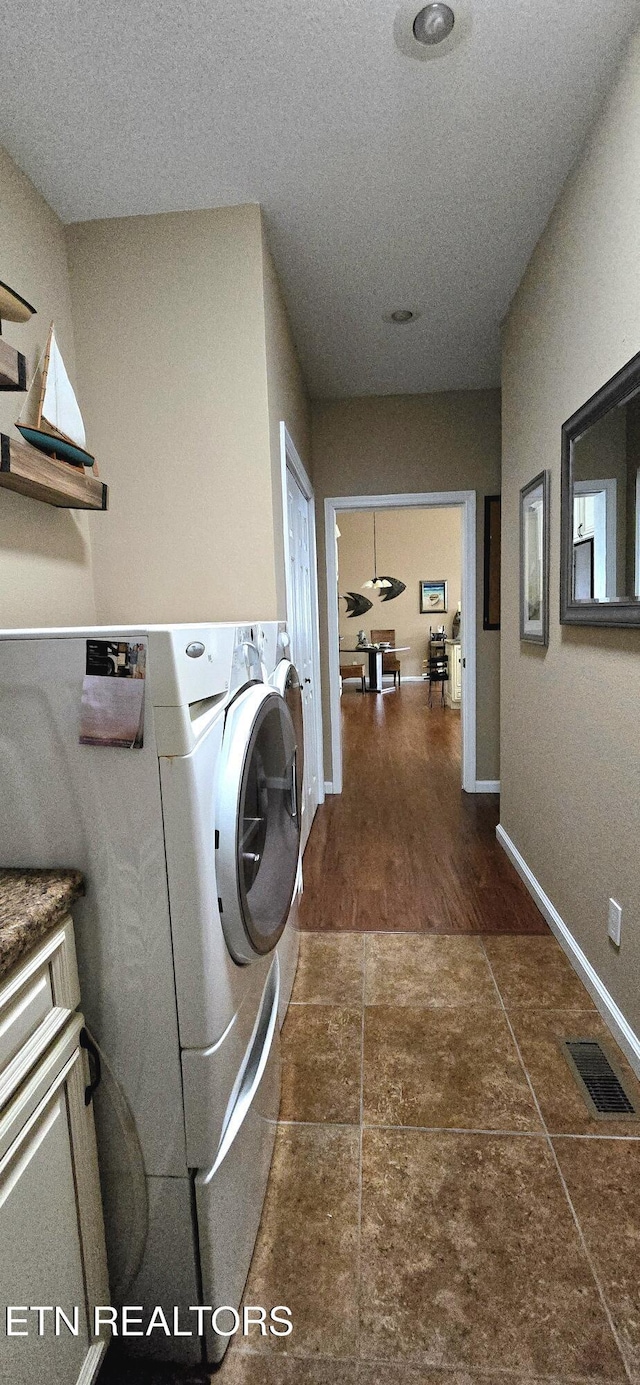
x=600, y=1082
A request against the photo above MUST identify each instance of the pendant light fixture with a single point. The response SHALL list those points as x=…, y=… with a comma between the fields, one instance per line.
x=376, y=581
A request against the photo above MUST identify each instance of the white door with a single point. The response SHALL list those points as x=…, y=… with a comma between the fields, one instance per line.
x=302, y=633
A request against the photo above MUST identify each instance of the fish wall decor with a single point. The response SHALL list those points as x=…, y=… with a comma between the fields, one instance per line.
x=357, y=605
x=394, y=588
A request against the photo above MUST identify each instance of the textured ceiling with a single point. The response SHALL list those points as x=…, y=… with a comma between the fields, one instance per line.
x=386, y=182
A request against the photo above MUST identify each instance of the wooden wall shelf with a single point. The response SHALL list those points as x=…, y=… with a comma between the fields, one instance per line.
x=30, y=472
x=13, y=368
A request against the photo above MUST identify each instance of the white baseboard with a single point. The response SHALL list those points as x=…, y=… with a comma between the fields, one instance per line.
x=328, y=786
x=487, y=786
x=611, y=1013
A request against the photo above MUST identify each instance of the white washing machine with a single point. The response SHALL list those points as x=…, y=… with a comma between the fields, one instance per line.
x=282, y=674
x=190, y=849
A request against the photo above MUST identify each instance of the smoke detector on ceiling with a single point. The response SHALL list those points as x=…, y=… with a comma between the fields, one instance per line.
x=431, y=31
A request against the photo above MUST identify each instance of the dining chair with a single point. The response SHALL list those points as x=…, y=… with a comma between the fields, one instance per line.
x=353, y=671
x=390, y=662
x=438, y=664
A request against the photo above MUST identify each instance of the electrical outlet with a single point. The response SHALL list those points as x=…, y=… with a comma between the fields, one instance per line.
x=614, y=924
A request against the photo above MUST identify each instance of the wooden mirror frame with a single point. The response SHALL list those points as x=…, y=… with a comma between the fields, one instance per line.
x=617, y=390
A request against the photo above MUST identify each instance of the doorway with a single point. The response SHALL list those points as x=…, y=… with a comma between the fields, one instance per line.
x=299, y=528
x=594, y=529
x=466, y=501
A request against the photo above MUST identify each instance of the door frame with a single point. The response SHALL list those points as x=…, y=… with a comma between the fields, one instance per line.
x=466, y=500
x=609, y=488
x=290, y=460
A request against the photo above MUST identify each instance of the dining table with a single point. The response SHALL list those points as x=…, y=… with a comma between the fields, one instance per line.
x=375, y=654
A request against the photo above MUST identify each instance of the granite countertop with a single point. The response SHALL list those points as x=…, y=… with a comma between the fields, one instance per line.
x=32, y=902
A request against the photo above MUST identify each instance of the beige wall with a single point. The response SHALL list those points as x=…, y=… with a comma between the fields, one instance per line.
x=287, y=400
x=570, y=723
x=45, y=558
x=412, y=545
x=399, y=443
x=184, y=363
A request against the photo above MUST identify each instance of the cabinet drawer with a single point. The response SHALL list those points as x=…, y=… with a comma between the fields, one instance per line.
x=36, y=1000
x=21, y=1017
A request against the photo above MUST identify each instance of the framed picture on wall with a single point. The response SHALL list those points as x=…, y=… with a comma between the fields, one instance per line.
x=534, y=560
x=433, y=597
x=492, y=537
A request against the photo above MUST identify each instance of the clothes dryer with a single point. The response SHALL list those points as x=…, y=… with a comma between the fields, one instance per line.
x=281, y=673
x=189, y=842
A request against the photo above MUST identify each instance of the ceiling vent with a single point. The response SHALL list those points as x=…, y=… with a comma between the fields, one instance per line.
x=423, y=32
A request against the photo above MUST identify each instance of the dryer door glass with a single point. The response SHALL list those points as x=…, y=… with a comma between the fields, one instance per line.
x=268, y=825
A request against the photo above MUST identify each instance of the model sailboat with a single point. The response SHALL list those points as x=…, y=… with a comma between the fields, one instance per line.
x=13, y=307
x=50, y=418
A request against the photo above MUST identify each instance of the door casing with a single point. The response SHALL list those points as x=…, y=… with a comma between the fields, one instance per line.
x=292, y=465
x=436, y=499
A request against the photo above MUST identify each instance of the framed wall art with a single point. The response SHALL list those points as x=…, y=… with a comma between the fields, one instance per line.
x=433, y=597
x=534, y=560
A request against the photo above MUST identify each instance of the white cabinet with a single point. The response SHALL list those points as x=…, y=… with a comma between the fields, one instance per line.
x=584, y=519
x=453, y=696
x=52, y=1252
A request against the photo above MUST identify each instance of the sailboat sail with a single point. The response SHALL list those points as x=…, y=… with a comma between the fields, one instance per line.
x=50, y=418
x=59, y=405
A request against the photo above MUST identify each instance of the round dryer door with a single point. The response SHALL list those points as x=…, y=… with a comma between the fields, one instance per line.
x=286, y=680
x=258, y=822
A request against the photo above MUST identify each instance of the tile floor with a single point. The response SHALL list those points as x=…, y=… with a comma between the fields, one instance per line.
x=442, y=1210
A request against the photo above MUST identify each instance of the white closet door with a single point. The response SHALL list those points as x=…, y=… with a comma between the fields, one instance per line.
x=301, y=632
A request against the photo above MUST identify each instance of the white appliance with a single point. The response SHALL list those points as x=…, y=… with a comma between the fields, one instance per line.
x=190, y=848
x=282, y=674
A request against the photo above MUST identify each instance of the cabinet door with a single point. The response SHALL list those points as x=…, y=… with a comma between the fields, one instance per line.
x=44, y=1257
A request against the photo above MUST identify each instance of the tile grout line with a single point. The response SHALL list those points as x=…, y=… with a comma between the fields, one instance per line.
x=445, y=1005
x=458, y=1130
x=589, y=1135
x=515, y=1041
x=363, y=954
x=616, y=1337
x=561, y=1177
x=325, y=1125
x=490, y=1373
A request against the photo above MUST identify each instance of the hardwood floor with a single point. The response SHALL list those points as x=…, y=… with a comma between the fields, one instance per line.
x=403, y=848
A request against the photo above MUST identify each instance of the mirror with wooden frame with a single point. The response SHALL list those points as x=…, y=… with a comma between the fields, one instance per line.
x=600, y=547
